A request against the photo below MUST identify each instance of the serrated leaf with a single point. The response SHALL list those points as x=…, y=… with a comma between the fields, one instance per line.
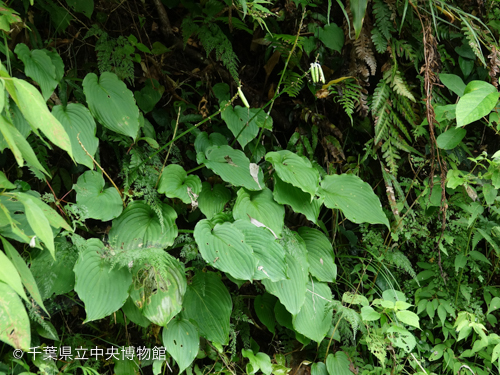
x=261, y=206
x=295, y=170
x=338, y=364
x=292, y=292
x=79, y=124
x=320, y=254
x=208, y=305
x=14, y=322
x=285, y=193
x=408, y=317
x=139, y=227
x=223, y=246
x=238, y=118
x=212, y=199
x=181, y=339
x=315, y=316
x=112, y=103
x=233, y=167
x=174, y=183
x=102, y=289
x=478, y=100
x=99, y=203
x=354, y=197
x=5, y=183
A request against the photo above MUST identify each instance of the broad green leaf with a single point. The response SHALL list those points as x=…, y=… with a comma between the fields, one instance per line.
x=140, y=227
x=354, y=299
x=259, y=361
x=285, y=193
x=133, y=313
x=358, y=10
x=451, y=138
x=80, y=125
x=393, y=295
x=354, y=197
x=238, y=119
x=233, y=167
x=319, y=368
x=208, y=305
x=181, y=339
x=295, y=170
x=82, y=6
x=401, y=338
x=55, y=220
x=25, y=273
x=408, y=317
x=332, y=36
x=319, y=254
x=112, y=103
x=14, y=322
x=315, y=316
x=204, y=141
x=148, y=96
x=495, y=354
x=8, y=138
x=159, y=286
x=292, y=292
x=490, y=193
x=37, y=220
x=102, y=289
x=260, y=206
x=264, y=308
x=10, y=276
x=5, y=183
x=478, y=100
x=97, y=202
x=55, y=276
x=494, y=305
x=223, y=247
x=368, y=314
x=38, y=66
x=212, y=199
x=35, y=111
x=437, y=352
x=338, y=364
x=267, y=250
x=175, y=183
x=453, y=82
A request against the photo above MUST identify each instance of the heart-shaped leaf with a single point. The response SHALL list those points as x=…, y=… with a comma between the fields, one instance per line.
x=238, y=121
x=175, y=183
x=204, y=141
x=149, y=95
x=213, y=199
x=319, y=254
x=182, y=341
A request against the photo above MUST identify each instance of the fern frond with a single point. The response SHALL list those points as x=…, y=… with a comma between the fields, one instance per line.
x=383, y=18
x=382, y=122
x=390, y=155
x=364, y=51
x=403, y=49
x=404, y=107
x=292, y=83
x=348, y=95
x=469, y=29
x=398, y=83
x=379, y=41
x=396, y=121
x=380, y=96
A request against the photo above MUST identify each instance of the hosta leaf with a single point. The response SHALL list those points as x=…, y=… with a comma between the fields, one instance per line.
x=102, y=289
x=14, y=322
x=79, y=124
x=478, y=100
x=338, y=364
x=204, y=141
x=149, y=95
x=223, y=246
x=98, y=203
x=261, y=206
x=35, y=111
x=266, y=249
x=212, y=199
x=315, y=317
x=295, y=170
x=139, y=227
x=133, y=313
x=208, y=305
x=174, y=183
x=159, y=286
x=292, y=292
x=354, y=197
x=181, y=339
x=319, y=254
x=38, y=66
x=264, y=308
x=319, y=368
x=233, y=167
x=112, y=103
x=238, y=119
x=285, y=193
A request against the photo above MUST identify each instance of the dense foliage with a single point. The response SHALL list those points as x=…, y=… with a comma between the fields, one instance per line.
x=276, y=187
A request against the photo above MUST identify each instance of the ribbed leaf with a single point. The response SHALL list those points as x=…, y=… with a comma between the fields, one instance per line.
x=181, y=339
x=97, y=202
x=223, y=246
x=315, y=317
x=354, y=197
x=478, y=100
x=213, y=199
x=102, y=289
x=10, y=276
x=112, y=103
x=133, y=313
x=204, y=141
x=233, y=167
x=320, y=254
x=174, y=183
x=139, y=227
x=79, y=124
x=285, y=193
x=338, y=364
x=237, y=119
x=208, y=305
x=292, y=292
x=260, y=206
x=14, y=322
x=295, y=170
x=264, y=308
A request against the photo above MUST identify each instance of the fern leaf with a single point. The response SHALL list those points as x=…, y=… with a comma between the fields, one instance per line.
x=399, y=84
x=380, y=96
x=379, y=41
x=364, y=51
x=469, y=29
x=383, y=18
x=382, y=122
x=396, y=121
